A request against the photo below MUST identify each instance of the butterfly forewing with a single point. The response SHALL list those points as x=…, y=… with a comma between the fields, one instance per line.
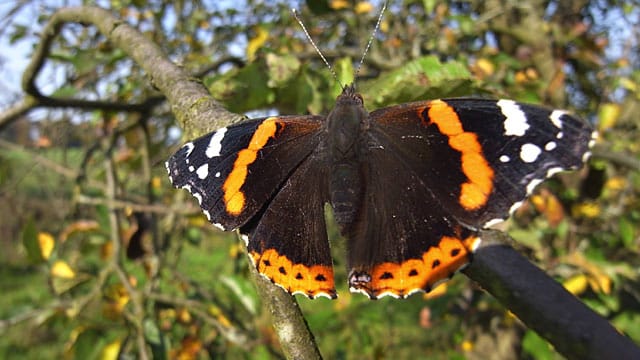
x=234, y=171
x=482, y=157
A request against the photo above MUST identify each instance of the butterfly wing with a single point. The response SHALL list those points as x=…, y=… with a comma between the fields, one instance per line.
x=403, y=241
x=287, y=241
x=234, y=171
x=496, y=152
x=439, y=171
x=251, y=176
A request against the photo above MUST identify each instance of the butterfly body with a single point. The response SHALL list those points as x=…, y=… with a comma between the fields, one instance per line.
x=410, y=185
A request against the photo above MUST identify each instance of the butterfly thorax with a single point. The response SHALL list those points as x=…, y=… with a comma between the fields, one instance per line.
x=346, y=125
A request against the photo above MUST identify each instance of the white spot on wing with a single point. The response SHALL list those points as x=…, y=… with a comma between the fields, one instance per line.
x=244, y=238
x=553, y=171
x=555, y=118
x=166, y=166
x=218, y=174
x=505, y=158
x=203, y=171
x=387, y=293
x=516, y=121
x=207, y=214
x=550, y=145
x=476, y=244
x=492, y=222
x=215, y=144
x=198, y=197
x=219, y=226
x=323, y=294
x=532, y=185
x=515, y=207
x=529, y=152
x=191, y=168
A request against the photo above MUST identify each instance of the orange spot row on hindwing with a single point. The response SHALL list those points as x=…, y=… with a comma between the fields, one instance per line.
x=310, y=280
x=437, y=263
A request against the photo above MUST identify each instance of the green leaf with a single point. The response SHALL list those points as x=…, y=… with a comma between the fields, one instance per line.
x=281, y=69
x=88, y=344
x=627, y=322
x=627, y=232
x=537, y=347
x=244, y=290
x=420, y=79
x=154, y=338
x=429, y=6
x=345, y=73
x=30, y=242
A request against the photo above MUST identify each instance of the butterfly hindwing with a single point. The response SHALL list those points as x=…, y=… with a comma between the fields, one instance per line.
x=404, y=241
x=287, y=241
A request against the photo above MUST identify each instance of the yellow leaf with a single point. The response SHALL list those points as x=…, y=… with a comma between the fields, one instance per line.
x=384, y=26
x=532, y=74
x=576, y=284
x=586, y=209
x=184, y=316
x=363, y=7
x=484, y=67
x=629, y=84
x=597, y=279
x=600, y=282
x=256, y=42
x=616, y=183
x=47, y=243
x=62, y=270
x=156, y=182
x=436, y=292
x=467, y=345
x=219, y=315
x=521, y=77
x=339, y=4
x=224, y=321
x=78, y=226
x=235, y=250
x=608, y=115
x=111, y=350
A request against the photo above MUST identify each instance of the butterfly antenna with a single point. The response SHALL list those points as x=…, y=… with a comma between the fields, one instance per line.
x=306, y=33
x=373, y=34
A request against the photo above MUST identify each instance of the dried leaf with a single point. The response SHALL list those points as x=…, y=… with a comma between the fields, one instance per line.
x=47, y=243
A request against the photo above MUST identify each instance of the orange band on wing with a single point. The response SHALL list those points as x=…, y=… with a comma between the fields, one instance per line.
x=311, y=280
x=475, y=192
x=234, y=199
x=437, y=264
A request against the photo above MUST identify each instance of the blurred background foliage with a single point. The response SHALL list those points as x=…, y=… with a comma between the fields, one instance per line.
x=100, y=257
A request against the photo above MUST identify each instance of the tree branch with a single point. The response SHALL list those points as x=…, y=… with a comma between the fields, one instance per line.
x=195, y=109
x=197, y=113
x=295, y=337
x=543, y=305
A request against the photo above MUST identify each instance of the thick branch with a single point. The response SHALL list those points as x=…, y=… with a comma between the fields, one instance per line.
x=545, y=306
x=295, y=337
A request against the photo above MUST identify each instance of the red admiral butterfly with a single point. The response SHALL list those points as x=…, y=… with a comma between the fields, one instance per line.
x=410, y=185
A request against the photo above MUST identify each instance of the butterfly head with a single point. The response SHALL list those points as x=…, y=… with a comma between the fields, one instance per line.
x=349, y=96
